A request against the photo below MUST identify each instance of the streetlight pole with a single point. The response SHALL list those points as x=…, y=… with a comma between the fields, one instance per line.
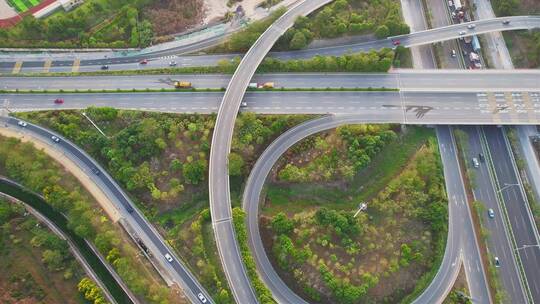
x=86, y=116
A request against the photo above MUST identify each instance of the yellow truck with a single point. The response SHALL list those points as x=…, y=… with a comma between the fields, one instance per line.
x=182, y=85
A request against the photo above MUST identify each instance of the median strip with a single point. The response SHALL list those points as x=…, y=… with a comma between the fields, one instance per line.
x=197, y=90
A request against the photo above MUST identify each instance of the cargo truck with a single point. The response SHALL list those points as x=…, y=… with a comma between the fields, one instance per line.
x=266, y=85
x=182, y=85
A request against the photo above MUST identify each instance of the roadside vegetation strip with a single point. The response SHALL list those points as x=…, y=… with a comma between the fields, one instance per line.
x=198, y=90
x=505, y=217
x=38, y=203
x=366, y=62
x=264, y=295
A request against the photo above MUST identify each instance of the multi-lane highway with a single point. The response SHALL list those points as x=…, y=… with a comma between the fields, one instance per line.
x=408, y=107
x=178, y=272
x=404, y=79
x=499, y=240
x=162, y=58
x=522, y=225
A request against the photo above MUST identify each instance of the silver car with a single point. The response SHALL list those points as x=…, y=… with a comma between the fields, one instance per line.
x=202, y=297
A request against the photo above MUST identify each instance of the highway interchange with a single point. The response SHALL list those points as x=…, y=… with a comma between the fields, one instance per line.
x=36, y=63
x=425, y=97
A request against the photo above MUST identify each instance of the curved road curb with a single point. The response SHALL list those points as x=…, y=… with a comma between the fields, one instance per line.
x=434, y=293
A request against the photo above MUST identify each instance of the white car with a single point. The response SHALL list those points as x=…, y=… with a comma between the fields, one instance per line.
x=462, y=33
x=471, y=26
x=172, y=63
x=55, y=138
x=168, y=257
x=22, y=123
x=475, y=162
x=202, y=297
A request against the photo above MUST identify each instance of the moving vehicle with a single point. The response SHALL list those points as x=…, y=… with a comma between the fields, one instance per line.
x=201, y=297
x=144, y=61
x=453, y=53
x=491, y=213
x=172, y=63
x=506, y=22
x=481, y=157
x=396, y=42
x=475, y=162
x=243, y=104
x=256, y=85
x=461, y=33
x=55, y=138
x=104, y=67
x=129, y=208
x=168, y=257
x=22, y=123
x=497, y=262
x=96, y=171
x=59, y=101
x=471, y=26
x=182, y=85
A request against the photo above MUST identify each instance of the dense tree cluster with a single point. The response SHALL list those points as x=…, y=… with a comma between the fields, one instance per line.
x=243, y=40
x=91, y=291
x=161, y=159
x=205, y=268
x=352, y=17
x=359, y=142
x=35, y=170
x=372, y=61
x=343, y=223
x=96, y=23
x=22, y=233
x=352, y=254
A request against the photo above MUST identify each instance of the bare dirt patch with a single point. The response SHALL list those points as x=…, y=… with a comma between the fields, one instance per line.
x=173, y=16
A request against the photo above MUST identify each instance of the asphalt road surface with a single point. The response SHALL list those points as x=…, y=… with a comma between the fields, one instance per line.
x=408, y=107
x=404, y=79
x=220, y=201
x=499, y=240
x=155, y=243
x=162, y=58
x=514, y=201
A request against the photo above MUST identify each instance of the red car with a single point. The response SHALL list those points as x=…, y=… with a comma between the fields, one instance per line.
x=144, y=61
x=59, y=101
x=396, y=42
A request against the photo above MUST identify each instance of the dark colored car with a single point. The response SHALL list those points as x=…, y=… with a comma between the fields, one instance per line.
x=481, y=157
x=59, y=101
x=104, y=67
x=144, y=61
x=396, y=42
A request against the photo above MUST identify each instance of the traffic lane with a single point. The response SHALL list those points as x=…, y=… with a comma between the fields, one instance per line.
x=453, y=32
x=507, y=183
x=498, y=242
x=448, y=270
x=113, y=188
x=406, y=80
x=292, y=80
x=457, y=200
x=516, y=208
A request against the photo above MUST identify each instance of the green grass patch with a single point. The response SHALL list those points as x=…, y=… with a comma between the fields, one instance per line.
x=367, y=183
